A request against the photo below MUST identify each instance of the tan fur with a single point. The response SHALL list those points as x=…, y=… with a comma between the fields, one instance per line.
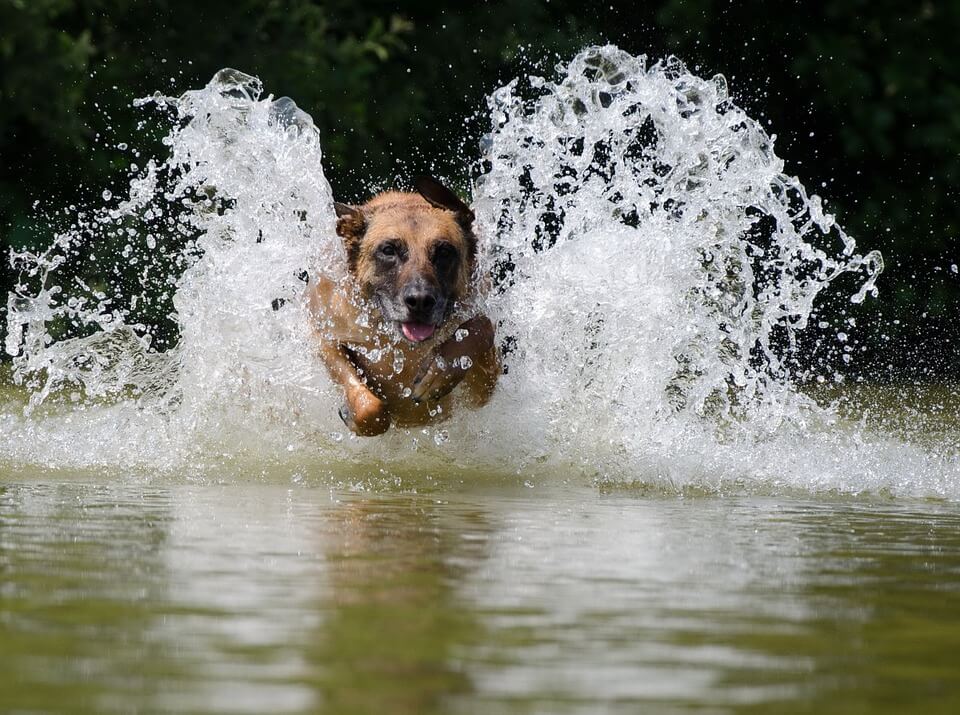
x=362, y=350
x=394, y=214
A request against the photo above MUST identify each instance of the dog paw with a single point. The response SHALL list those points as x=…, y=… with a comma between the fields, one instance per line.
x=437, y=377
x=367, y=418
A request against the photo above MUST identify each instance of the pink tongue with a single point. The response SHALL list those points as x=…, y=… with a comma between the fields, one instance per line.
x=417, y=332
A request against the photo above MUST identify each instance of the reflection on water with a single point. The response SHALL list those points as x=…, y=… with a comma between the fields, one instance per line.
x=396, y=633
x=264, y=598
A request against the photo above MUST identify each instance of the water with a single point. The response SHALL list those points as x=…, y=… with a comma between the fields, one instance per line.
x=475, y=597
x=662, y=506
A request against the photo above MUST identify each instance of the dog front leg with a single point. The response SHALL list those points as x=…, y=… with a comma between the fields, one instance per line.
x=481, y=380
x=470, y=355
x=362, y=412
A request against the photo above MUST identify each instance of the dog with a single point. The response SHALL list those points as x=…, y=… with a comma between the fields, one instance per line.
x=403, y=330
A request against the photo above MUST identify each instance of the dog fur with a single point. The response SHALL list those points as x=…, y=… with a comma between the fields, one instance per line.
x=401, y=331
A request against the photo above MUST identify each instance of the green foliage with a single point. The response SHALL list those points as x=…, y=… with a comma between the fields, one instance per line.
x=863, y=95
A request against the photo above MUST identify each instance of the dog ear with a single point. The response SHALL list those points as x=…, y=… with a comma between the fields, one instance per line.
x=441, y=197
x=351, y=225
x=345, y=211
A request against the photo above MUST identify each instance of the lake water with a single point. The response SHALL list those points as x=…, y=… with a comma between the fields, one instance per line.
x=477, y=595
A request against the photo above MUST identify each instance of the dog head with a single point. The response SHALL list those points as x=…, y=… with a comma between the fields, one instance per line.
x=412, y=254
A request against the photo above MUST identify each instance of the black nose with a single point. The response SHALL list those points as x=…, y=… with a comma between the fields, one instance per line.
x=419, y=298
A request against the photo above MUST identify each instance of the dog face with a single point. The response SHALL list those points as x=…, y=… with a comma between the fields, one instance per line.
x=411, y=254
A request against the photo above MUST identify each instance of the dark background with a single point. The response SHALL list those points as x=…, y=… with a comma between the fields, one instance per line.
x=863, y=95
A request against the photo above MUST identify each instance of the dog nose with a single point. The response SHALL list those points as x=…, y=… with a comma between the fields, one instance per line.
x=420, y=301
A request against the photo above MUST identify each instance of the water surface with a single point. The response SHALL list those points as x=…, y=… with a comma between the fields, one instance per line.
x=480, y=596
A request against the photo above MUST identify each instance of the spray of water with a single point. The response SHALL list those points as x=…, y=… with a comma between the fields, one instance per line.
x=652, y=267
x=242, y=203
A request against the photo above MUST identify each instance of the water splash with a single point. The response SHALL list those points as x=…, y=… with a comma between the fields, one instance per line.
x=671, y=235
x=653, y=266
x=242, y=205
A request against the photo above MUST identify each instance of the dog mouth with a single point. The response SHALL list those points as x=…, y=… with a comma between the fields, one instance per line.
x=417, y=332
x=414, y=326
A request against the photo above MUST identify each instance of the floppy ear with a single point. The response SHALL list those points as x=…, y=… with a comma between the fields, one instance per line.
x=441, y=197
x=351, y=225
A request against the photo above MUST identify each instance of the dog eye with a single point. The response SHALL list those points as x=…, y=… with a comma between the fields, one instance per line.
x=444, y=253
x=389, y=250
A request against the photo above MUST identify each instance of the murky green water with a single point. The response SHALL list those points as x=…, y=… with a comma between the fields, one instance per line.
x=261, y=597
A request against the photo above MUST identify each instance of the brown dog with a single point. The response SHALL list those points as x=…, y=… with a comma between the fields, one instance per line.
x=401, y=332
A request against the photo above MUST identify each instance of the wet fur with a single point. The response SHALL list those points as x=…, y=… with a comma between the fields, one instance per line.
x=432, y=234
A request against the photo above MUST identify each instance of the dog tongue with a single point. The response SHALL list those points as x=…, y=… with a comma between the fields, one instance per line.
x=417, y=332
